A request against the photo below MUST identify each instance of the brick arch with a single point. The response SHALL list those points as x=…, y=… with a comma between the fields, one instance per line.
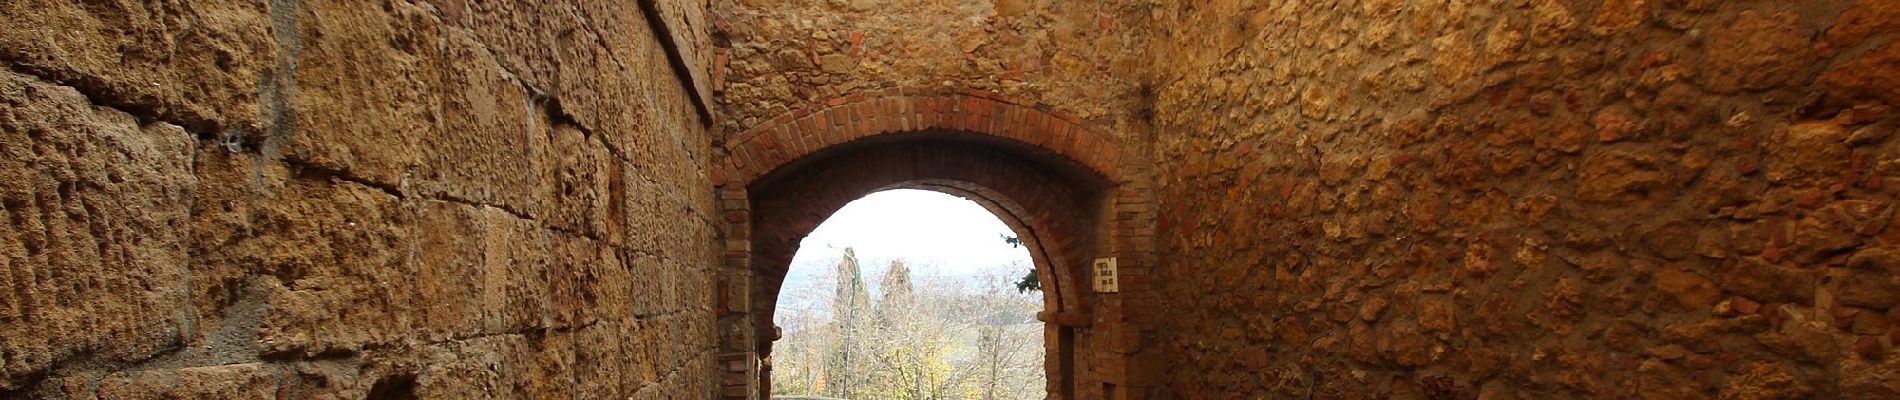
x=1072, y=192
x=1037, y=237
x=1043, y=207
x=799, y=134
x=1053, y=212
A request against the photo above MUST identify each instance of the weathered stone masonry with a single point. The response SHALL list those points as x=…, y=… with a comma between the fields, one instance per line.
x=1658, y=199
x=305, y=199
x=1528, y=199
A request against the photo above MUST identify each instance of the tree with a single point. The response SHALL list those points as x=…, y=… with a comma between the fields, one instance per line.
x=1009, y=344
x=849, y=304
x=896, y=292
x=921, y=337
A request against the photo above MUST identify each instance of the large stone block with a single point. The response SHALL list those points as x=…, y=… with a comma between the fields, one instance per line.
x=613, y=284
x=644, y=205
x=450, y=271
x=225, y=270
x=633, y=68
x=589, y=283
x=581, y=64
x=488, y=367
x=638, y=344
x=657, y=133
x=647, y=281
x=237, y=381
x=92, y=261
x=666, y=222
x=199, y=62
x=626, y=125
x=347, y=380
x=601, y=363
x=613, y=202
x=517, y=32
x=580, y=182
x=552, y=375
x=367, y=87
x=686, y=23
x=333, y=259
x=573, y=286
x=518, y=256
x=489, y=150
x=619, y=24
x=693, y=286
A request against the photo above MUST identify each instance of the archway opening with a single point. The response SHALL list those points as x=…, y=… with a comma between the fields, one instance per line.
x=1077, y=198
x=1055, y=208
x=909, y=294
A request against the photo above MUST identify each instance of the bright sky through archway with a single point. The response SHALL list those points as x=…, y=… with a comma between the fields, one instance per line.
x=953, y=234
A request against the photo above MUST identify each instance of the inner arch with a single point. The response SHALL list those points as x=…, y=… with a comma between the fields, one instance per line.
x=1053, y=208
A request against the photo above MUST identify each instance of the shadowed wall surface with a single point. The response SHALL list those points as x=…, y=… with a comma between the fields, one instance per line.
x=1528, y=199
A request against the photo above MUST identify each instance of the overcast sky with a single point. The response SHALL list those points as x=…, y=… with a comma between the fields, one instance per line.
x=926, y=228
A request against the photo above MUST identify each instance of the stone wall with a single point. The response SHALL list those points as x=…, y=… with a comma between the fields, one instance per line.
x=776, y=56
x=315, y=199
x=1529, y=199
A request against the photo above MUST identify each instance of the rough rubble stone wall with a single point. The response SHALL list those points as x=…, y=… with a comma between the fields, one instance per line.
x=777, y=56
x=315, y=199
x=1529, y=199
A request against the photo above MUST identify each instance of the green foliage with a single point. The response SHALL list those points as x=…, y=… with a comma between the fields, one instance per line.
x=1029, y=282
x=1012, y=240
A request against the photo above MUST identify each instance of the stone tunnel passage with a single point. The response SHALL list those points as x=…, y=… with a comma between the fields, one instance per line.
x=1384, y=198
x=1062, y=206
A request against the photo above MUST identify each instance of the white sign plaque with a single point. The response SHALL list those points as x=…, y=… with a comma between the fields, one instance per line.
x=1104, y=276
